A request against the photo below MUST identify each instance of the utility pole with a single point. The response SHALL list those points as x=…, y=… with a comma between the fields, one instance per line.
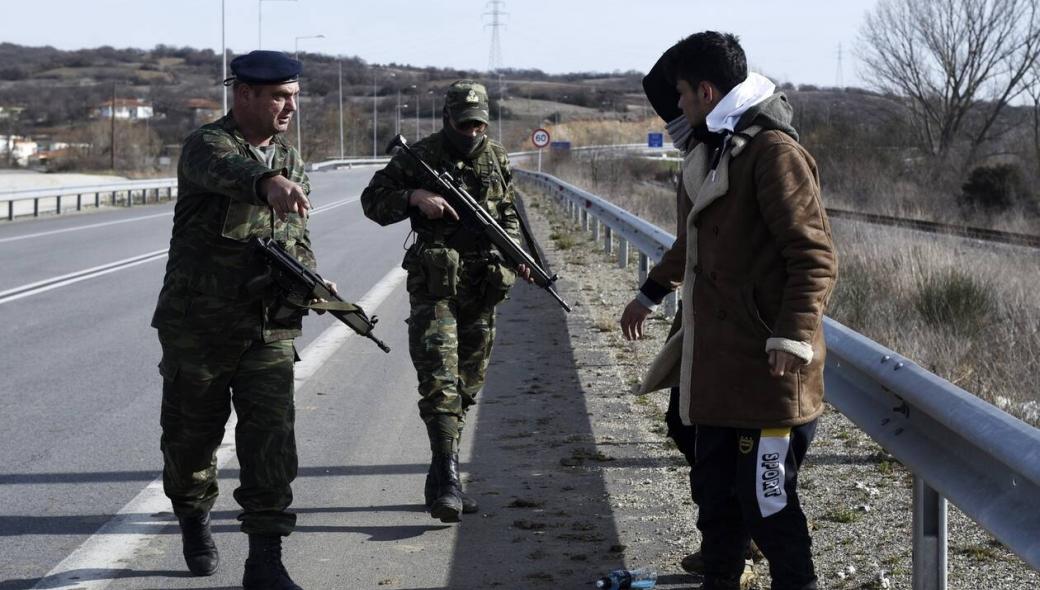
x=299, y=96
x=113, y=113
x=500, y=97
x=840, y=77
x=375, y=116
x=341, y=155
x=223, y=49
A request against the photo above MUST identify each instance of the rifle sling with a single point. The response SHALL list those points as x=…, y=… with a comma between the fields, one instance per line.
x=521, y=215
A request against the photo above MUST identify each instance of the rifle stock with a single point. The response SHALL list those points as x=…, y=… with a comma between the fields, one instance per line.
x=468, y=207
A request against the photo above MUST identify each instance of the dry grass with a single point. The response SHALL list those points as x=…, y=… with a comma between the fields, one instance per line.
x=963, y=309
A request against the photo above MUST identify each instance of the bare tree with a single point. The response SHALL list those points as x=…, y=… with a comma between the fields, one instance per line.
x=1033, y=88
x=955, y=60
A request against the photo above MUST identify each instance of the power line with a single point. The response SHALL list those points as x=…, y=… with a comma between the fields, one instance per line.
x=495, y=55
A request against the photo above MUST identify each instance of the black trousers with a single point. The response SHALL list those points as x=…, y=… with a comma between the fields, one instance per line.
x=745, y=485
x=684, y=436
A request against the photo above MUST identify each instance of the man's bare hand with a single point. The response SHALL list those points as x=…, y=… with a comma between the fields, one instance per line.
x=284, y=196
x=781, y=362
x=432, y=205
x=632, y=320
x=524, y=273
x=331, y=287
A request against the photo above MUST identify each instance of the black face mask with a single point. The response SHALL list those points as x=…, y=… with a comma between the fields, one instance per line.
x=464, y=143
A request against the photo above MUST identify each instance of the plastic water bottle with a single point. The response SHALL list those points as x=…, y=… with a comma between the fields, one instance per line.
x=623, y=579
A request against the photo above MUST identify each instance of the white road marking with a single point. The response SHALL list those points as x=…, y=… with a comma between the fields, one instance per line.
x=112, y=548
x=75, y=277
x=45, y=285
x=82, y=227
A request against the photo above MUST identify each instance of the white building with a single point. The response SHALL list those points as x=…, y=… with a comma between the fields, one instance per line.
x=20, y=149
x=125, y=108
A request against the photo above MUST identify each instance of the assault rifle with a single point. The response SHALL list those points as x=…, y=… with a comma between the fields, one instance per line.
x=476, y=219
x=300, y=285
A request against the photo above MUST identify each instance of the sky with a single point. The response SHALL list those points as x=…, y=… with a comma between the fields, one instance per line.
x=794, y=42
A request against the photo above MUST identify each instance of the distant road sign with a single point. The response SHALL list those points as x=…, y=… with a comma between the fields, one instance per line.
x=655, y=139
x=562, y=146
x=540, y=138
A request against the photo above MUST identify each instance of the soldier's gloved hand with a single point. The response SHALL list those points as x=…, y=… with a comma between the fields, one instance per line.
x=632, y=320
x=284, y=196
x=432, y=205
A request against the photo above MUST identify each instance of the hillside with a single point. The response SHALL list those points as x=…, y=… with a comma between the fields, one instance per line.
x=76, y=82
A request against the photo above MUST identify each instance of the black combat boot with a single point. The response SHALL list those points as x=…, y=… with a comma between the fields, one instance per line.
x=200, y=552
x=469, y=504
x=264, y=569
x=447, y=503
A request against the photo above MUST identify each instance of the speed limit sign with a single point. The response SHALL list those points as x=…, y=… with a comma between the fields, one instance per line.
x=540, y=138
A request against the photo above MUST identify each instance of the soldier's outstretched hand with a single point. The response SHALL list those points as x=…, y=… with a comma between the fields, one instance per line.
x=284, y=196
x=432, y=205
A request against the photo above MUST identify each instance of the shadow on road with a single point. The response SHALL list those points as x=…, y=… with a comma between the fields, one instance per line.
x=542, y=524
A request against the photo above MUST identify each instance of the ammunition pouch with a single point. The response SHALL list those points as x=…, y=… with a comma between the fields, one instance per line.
x=432, y=269
x=498, y=280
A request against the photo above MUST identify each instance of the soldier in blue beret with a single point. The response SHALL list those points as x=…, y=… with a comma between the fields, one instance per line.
x=224, y=343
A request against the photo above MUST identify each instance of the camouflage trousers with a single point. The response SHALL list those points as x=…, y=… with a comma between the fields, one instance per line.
x=202, y=378
x=449, y=339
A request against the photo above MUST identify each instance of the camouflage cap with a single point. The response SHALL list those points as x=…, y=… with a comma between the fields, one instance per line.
x=467, y=100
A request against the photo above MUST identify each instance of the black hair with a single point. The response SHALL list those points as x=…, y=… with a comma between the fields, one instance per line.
x=709, y=57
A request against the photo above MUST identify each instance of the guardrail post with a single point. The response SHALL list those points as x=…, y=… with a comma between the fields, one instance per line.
x=97, y=200
x=595, y=229
x=10, y=210
x=622, y=253
x=57, y=209
x=584, y=219
x=670, y=303
x=644, y=267
x=130, y=197
x=608, y=245
x=36, y=207
x=79, y=202
x=113, y=198
x=930, y=546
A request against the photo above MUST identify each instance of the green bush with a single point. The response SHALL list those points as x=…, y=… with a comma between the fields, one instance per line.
x=955, y=300
x=995, y=188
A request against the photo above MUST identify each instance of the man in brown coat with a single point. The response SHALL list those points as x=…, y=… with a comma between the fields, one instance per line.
x=759, y=269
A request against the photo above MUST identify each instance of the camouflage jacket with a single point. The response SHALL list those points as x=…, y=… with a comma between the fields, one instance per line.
x=486, y=177
x=218, y=211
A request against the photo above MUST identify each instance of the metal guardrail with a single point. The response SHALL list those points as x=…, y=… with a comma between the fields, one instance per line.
x=346, y=163
x=958, y=447
x=127, y=189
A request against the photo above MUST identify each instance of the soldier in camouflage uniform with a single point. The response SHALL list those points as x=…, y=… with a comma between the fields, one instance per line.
x=237, y=179
x=454, y=280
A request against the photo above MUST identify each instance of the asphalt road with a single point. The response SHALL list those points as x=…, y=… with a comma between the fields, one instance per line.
x=80, y=428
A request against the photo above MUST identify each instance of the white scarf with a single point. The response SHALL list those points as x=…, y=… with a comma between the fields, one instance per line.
x=752, y=91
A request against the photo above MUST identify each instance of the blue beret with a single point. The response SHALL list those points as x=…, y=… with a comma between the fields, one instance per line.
x=264, y=67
